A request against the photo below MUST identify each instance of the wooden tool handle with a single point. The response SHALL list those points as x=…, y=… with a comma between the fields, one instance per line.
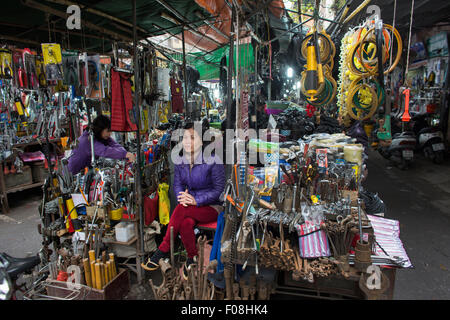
x=98, y=277
x=87, y=272
x=91, y=255
x=113, y=264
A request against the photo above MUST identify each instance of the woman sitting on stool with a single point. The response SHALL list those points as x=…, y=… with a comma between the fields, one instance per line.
x=198, y=183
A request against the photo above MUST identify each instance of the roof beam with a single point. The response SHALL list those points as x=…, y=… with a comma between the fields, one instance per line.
x=198, y=14
x=97, y=12
x=47, y=9
x=181, y=17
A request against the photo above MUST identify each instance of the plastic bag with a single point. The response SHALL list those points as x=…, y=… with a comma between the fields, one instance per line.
x=164, y=203
x=151, y=207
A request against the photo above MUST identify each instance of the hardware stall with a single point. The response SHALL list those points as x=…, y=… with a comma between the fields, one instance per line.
x=102, y=219
x=297, y=220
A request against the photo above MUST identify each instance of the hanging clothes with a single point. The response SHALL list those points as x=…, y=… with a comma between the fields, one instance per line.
x=216, y=254
x=122, y=117
x=176, y=90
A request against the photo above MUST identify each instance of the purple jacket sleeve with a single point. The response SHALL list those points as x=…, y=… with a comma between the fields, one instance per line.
x=211, y=195
x=113, y=150
x=177, y=181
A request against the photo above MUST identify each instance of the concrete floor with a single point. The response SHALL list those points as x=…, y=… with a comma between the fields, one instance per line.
x=419, y=198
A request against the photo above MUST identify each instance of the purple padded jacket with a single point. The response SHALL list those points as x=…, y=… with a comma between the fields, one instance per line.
x=81, y=157
x=205, y=181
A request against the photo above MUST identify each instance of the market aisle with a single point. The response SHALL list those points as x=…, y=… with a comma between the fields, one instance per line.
x=18, y=229
x=420, y=199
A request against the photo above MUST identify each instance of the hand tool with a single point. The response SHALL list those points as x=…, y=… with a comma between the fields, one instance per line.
x=87, y=272
x=108, y=271
x=211, y=267
x=172, y=257
x=155, y=295
x=98, y=277
x=228, y=284
x=188, y=292
x=236, y=291
x=193, y=280
x=200, y=264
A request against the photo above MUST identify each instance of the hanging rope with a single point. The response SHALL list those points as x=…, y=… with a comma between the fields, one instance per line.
x=409, y=40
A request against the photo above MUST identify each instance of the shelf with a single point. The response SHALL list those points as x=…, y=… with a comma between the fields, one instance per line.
x=24, y=187
x=34, y=142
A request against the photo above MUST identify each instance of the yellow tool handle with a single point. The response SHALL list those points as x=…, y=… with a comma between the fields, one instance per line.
x=102, y=270
x=73, y=214
x=312, y=77
x=113, y=264
x=91, y=255
x=19, y=107
x=108, y=271
x=320, y=73
x=93, y=275
x=104, y=257
x=98, y=277
x=87, y=272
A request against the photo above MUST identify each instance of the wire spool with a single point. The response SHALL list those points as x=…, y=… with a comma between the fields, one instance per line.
x=364, y=109
x=325, y=95
x=327, y=47
x=368, y=64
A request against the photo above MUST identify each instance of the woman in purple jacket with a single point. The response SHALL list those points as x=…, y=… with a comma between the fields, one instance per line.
x=198, y=184
x=104, y=146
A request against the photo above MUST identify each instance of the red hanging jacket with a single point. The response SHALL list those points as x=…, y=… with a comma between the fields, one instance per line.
x=122, y=118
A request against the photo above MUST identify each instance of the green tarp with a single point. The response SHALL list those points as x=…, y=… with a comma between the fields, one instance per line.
x=209, y=71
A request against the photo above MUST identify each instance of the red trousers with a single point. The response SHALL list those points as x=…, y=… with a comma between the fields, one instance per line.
x=183, y=220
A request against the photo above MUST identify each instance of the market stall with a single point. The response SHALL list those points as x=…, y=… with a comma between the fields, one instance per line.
x=297, y=220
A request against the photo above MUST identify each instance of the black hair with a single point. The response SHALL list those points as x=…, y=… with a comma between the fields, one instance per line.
x=189, y=124
x=98, y=125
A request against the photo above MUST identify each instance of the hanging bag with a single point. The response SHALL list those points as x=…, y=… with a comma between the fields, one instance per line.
x=164, y=203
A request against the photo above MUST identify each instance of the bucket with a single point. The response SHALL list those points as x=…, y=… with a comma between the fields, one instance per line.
x=116, y=214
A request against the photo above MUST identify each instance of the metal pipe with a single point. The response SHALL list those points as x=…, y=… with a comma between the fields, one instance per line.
x=360, y=222
x=265, y=43
x=179, y=16
x=138, y=186
x=198, y=14
x=306, y=14
x=184, y=74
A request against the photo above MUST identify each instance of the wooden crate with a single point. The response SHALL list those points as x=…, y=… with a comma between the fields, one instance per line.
x=38, y=171
x=116, y=289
